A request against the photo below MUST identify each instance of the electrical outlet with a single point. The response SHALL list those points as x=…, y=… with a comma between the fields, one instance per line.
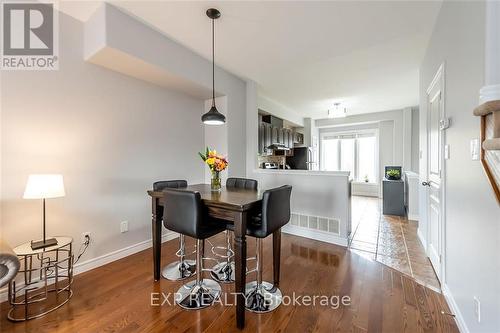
x=477, y=309
x=84, y=236
x=124, y=226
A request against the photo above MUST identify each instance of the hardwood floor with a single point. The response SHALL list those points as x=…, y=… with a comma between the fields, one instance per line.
x=391, y=240
x=117, y=297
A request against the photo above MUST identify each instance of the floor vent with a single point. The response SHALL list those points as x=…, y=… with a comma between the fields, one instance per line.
x=316, y=223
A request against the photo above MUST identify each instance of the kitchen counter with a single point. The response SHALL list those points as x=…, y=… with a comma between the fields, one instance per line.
x=303, y=172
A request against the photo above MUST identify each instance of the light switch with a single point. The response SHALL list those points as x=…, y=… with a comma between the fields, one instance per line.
x=474, y=149
x=446, y=152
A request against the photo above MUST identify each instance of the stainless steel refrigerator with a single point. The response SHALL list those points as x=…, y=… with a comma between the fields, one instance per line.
x=302, y=159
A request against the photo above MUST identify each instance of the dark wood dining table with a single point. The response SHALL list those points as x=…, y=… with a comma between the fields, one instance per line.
x=229, y=204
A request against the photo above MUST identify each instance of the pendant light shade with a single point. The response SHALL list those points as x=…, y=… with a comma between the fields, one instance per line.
x=213, y=116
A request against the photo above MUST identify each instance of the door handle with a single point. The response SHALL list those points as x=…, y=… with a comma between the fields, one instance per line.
x=426, y=184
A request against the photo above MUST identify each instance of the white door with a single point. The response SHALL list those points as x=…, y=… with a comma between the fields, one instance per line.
x=435, y=112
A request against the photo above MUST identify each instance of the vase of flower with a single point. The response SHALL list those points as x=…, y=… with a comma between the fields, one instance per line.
x=215, y=183
x=216, y=163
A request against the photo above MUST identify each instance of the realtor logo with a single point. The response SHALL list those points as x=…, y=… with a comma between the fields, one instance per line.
x=29, y=36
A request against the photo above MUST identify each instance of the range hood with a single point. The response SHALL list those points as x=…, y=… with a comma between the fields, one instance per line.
x=278, y=146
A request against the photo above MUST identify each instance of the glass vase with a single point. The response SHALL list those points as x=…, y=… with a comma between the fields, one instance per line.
x=215, y=183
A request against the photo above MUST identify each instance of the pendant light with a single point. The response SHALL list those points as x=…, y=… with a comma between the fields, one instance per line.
x=213, y=117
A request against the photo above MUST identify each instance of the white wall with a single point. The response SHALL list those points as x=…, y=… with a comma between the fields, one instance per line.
x=415, y=132
x=396, y=141
x=109, y=43
x=314, y=193
x=472, y=213
x=109, y=135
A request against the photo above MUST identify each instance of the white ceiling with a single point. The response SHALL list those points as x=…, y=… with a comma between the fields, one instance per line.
x=304, y=54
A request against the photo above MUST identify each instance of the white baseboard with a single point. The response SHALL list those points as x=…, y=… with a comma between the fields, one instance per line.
x=107, y=258
x=119, y=254
x=462, y=327
x=422, y=240
x=319, y=235
x=413, y=217
x=365, y=194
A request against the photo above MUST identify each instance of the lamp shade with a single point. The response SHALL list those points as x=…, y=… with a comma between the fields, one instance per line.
x=44, y=187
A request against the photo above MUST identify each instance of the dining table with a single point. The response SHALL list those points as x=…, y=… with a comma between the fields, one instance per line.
x=228, y=204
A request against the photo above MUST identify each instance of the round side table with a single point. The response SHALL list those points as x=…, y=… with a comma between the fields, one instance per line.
x=43, y=283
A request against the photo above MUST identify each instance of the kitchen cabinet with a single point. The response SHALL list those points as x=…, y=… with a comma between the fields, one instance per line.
x=281, y=135
x=274, y=121
x=285, y=137
x=262, y=139
x=268, y=136
x=298, y=138
x=265, y=138
x=290, y=139
x=274, y=134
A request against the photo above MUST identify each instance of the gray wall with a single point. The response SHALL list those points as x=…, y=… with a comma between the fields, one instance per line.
x=110, y=136
x=472, y=213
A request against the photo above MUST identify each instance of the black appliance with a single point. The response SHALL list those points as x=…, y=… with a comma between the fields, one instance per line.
x=302, y=158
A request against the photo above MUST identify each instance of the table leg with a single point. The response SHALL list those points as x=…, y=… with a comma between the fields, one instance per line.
x=157, y=217
x=240, y=227
x=276, y=256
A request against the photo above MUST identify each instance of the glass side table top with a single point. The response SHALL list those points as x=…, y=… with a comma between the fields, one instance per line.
x=26, y=250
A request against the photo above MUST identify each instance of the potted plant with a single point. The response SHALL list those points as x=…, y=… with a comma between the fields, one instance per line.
x=393, y=174
x=216, y=163
x=366, y=179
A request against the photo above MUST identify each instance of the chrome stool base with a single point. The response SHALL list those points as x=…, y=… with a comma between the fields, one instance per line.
x=195, y=296
x=178, y=270
x=262, y=298
x=223, y=272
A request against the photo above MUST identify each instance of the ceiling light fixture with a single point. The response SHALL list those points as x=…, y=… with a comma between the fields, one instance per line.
x=213, y=116
x=337, y=112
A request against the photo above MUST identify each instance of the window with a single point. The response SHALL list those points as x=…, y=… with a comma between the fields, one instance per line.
x=355, y=152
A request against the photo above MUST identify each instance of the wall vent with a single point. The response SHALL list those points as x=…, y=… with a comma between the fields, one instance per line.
x=320, y=223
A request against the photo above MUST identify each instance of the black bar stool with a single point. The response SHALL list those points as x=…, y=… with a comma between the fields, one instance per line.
x=182, y=268
x=185, y=214
x=224, y=271
x=262, y=296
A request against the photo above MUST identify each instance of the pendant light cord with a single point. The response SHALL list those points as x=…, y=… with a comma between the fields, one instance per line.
x=213, y=62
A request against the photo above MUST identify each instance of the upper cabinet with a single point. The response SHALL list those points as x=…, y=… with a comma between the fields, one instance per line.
x=275, y=121
x=275, y=136
x=271, y=131
x=265, y=137
x=298, y=138
x=285, y=137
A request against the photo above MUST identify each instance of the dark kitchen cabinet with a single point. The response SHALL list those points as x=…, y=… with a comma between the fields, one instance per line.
x=298, y=138
x=262, y=139
x=285, y=137
x=281, y=135
x=275, y=121
x=268, y=135
x=290, y=139
x=274, y=134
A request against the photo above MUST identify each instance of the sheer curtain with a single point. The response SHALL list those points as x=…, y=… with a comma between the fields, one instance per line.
x=355, y=152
